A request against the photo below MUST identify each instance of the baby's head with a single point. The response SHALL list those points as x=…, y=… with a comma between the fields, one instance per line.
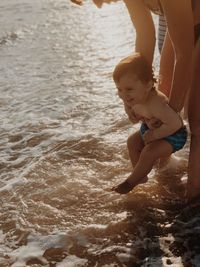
x=134, y=78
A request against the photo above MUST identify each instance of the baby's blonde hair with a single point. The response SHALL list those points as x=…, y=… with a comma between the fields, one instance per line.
x=134, y=64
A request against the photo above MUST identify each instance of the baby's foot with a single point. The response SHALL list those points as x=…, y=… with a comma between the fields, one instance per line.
x=128, y=185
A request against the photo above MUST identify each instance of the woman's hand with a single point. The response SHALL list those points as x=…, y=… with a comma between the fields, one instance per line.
x=97, y=3
x=78, y=2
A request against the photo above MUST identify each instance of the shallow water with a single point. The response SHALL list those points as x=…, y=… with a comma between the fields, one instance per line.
x=63, y=146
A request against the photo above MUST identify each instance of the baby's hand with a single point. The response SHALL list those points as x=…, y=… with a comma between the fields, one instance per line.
x=148, y=137
x=131, y=114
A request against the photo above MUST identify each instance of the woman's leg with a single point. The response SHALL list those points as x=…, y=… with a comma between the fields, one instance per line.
x=193, y=186
x=149, y=155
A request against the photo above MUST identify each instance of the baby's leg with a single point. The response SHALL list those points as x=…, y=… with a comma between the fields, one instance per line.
x=149, y=155
x=135, y=145
x=162, y=162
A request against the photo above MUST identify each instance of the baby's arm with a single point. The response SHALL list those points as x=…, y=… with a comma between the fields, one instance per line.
x=171, y=121
x=131, y=114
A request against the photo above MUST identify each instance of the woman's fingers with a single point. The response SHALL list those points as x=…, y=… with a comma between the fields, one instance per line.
x=78, y=2
x=98, y=3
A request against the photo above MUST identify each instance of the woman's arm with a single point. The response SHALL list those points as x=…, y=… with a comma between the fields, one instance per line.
x=143, y=23
x=166, y=66
x=179, y=20
x=144, y=26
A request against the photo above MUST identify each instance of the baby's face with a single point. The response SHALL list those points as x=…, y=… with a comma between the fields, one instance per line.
x=133, y=91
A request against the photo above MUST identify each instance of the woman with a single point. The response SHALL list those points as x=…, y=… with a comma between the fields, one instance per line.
x=176, y=65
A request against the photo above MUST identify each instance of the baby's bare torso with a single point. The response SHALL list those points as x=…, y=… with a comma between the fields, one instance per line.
x=146, y=111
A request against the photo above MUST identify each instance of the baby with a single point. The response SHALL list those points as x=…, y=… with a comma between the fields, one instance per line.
x=161, y=132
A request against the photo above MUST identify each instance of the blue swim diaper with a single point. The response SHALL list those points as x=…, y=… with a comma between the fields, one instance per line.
x=177, y=139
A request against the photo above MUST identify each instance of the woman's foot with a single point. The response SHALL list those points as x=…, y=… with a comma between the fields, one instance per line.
x=128, y=185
